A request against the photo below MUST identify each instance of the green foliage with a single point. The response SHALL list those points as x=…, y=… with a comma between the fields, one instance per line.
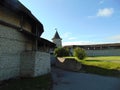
x=61, y=52
x=79, y=53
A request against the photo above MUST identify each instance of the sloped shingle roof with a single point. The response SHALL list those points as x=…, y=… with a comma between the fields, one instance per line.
x=56, y=36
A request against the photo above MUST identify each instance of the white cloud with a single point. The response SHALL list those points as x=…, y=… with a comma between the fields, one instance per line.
x=78, y=43
x=66, y=35
x=105, y=12
x=72, y=38
x=116, y=38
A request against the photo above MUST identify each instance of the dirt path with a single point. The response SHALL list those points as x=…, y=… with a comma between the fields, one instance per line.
x=65, y=80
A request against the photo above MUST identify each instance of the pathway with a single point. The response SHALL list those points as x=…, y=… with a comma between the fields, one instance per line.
x=66, y=80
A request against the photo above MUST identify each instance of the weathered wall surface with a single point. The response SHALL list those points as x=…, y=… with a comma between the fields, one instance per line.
x=34, y=63
x=68, y=64
x=9, y=65
x=12, y=41
x=12, y=44
x=109, y=52
x=27, y=64
x=42, y=63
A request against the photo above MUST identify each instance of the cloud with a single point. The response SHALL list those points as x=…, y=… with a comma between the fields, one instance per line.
x=66, y=35
x=105, y=12
x=72, y=38
x=116, y=38
x=78, y=43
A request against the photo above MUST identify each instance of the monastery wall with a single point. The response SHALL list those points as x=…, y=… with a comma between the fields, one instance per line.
x=34, y=63
x=12, y=44
x=108, y=52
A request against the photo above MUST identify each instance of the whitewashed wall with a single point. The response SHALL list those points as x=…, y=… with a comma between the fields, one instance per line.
x=35, y=63
x=12, y=44
x=109, y=52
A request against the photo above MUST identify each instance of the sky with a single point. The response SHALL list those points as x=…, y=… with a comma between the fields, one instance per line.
x=78, y=22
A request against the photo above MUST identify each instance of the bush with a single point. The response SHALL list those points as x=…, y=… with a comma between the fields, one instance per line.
x=61, y=52
x=79, y=53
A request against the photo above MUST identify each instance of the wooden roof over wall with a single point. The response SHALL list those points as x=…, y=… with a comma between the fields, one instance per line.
x=19, y=8
x=45, y=42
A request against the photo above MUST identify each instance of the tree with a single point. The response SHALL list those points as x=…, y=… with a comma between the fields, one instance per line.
x=61, y=52
x=79, y=53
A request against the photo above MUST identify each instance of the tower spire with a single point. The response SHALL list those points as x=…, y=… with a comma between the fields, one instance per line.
x=56, y=36
x=56, y=39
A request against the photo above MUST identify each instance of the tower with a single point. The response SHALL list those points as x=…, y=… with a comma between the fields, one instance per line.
x=57, y=40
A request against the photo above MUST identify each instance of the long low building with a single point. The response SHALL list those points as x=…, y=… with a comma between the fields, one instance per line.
x=22, y=51
x=112, y=49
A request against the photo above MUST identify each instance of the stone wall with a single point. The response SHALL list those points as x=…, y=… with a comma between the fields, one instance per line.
x=68, y=64
x=14, y=61
x=109, y=52
x=12, y=44
x=9, y=66
x=34, y=63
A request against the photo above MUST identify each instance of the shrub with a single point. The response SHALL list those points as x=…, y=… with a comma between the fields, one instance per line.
x=61, y=52
x=79, y=53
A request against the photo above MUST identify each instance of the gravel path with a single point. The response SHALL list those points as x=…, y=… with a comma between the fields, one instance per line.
x=66, y=80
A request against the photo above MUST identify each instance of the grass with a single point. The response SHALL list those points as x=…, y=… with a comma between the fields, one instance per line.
x=39, y=83
x=103, y=65
x=106, y=62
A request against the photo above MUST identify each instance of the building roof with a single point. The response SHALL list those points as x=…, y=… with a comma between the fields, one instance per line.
x=19, y=8
x=56, y=36
x=43, y=41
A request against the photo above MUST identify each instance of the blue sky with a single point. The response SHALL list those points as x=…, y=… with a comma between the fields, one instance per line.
x=78, y=21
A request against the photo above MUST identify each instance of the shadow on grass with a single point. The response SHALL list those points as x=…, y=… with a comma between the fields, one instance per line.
x=38, y=83
x=94, y=60
x=100, y=71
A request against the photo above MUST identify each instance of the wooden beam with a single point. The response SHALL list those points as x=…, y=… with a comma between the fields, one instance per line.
x=36, y=41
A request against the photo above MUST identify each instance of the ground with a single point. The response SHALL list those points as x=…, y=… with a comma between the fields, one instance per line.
x=38, y=83
x=66, y=80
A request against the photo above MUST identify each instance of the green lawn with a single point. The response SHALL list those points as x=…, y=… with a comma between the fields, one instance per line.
x=104, y=65
x=107, y=62
x=39, y=83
